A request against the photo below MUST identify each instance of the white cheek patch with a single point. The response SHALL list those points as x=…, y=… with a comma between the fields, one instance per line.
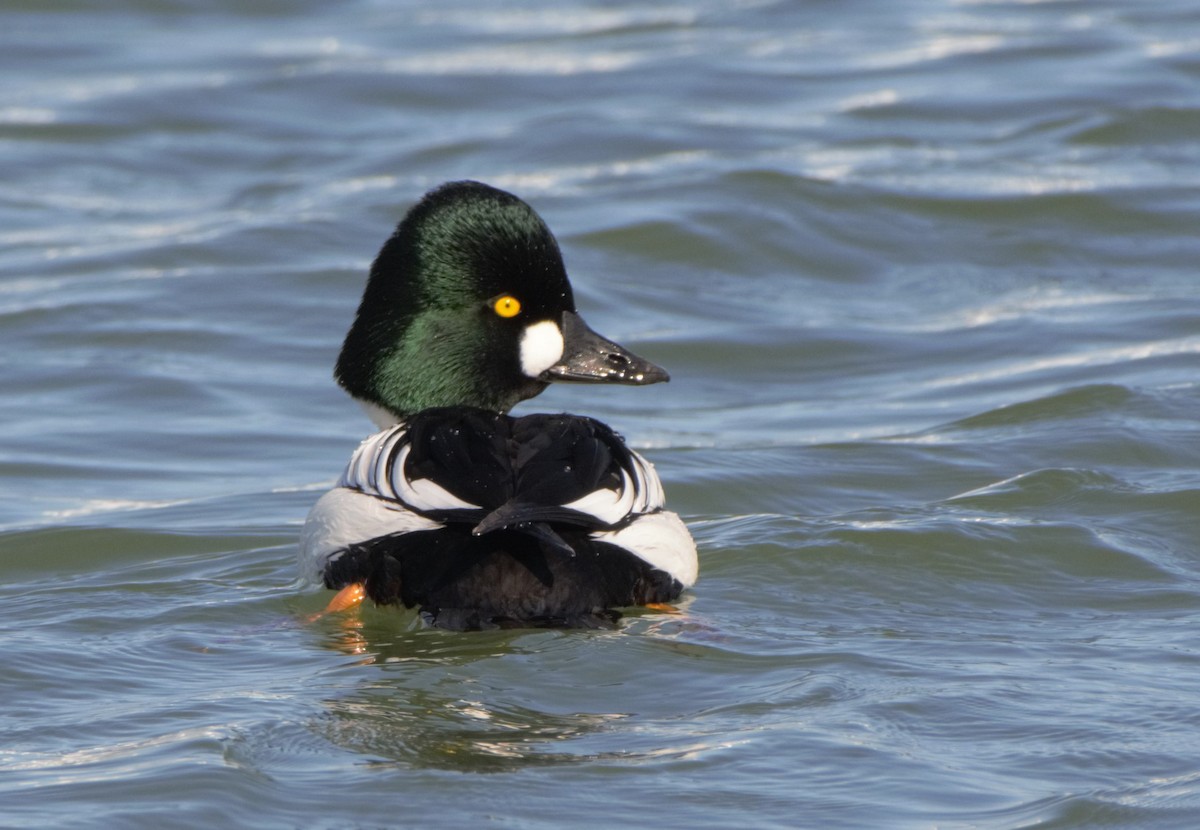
x=541, y=347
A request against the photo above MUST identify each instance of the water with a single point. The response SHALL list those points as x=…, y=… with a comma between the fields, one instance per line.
x=924, y=274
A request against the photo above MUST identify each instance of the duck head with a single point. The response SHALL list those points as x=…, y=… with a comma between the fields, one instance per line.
x=468, y=304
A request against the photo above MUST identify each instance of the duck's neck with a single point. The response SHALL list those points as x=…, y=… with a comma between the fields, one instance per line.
x=380, y=416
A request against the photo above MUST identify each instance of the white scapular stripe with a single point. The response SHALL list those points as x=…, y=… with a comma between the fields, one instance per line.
x=541, y=347
x=641, y=493
x=367, y=470
x=374, y=471
x=421, y=493
x=609, y=506
x=649, y=485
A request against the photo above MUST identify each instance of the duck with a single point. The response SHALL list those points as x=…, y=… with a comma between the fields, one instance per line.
x=475, y=517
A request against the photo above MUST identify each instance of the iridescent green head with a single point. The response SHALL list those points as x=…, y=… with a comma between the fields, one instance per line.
x=468, y=304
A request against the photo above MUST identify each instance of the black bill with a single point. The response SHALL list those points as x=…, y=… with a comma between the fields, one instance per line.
x=590, y=358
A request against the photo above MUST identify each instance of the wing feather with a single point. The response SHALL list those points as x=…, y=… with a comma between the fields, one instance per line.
x=498, y=472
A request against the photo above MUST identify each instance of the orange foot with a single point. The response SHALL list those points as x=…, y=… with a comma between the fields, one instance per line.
x=348, y=597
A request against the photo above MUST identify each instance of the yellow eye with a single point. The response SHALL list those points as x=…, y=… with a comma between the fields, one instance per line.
x=506, y=305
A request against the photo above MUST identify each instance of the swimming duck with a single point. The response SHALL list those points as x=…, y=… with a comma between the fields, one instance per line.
x=478, y=518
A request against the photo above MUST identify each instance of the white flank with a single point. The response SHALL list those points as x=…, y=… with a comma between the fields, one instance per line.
x=541, y=347
x=662, y=540
x=344, y=517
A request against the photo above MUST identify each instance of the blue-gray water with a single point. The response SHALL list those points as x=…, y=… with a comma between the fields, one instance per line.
x=925, y=274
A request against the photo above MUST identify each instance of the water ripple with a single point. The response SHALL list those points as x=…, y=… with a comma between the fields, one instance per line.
x=924, y=280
